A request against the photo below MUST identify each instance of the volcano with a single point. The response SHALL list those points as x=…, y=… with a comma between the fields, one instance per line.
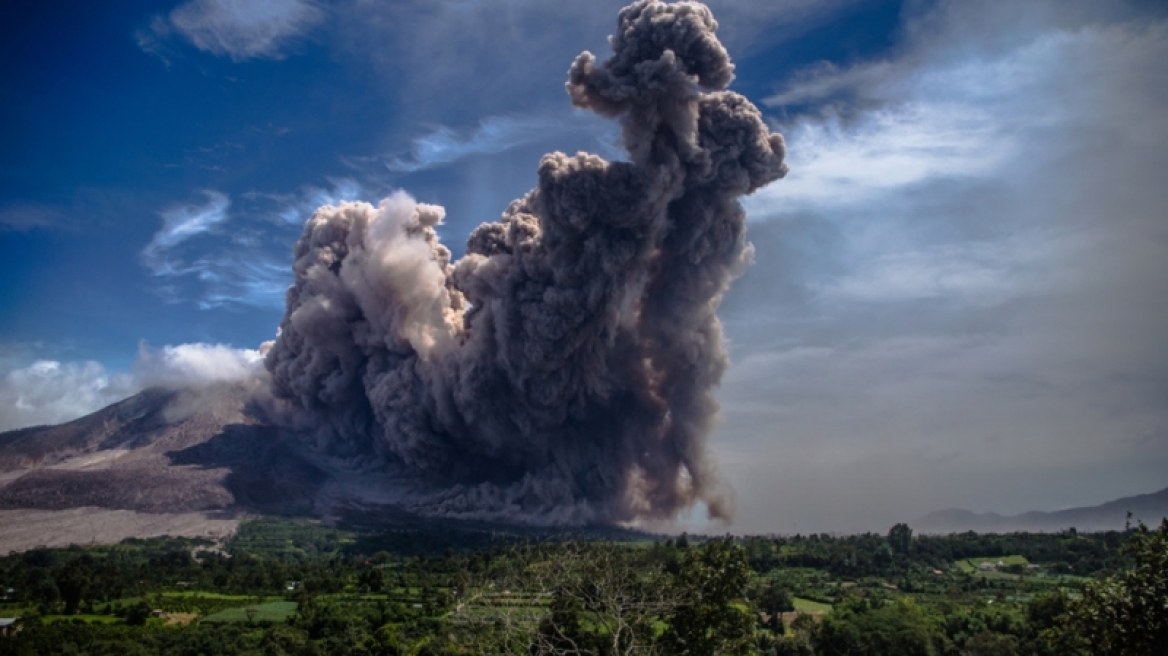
x=160, y=451
x=172, y=461
x=194, y=462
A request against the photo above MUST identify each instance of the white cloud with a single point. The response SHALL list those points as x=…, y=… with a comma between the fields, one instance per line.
x=194, y=364
x=978, y=273
x=296, y=208
x=179, y=224
x=247, y=266
x=257, y=280
x=22, y=218
x=52, y=392
x=836, y=163
x=912, y=122
x=197, y=261
x=243, y=29
x=495, y=134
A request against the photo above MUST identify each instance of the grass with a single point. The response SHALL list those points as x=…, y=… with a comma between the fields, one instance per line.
x=208, y=595
x=1000, y=576
x=808, y=606
x=273, y=611
x=971, y=564
x=88, y=619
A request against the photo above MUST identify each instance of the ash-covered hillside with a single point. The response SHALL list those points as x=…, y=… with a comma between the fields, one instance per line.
x=194, y=462
x=160, y=451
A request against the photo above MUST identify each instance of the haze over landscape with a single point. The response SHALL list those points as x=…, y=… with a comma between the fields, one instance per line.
x=953, y=298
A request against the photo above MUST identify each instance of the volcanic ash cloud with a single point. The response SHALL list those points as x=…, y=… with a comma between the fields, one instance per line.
x=561, y=371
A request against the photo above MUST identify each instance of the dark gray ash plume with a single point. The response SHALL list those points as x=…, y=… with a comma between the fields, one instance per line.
x=562, y=370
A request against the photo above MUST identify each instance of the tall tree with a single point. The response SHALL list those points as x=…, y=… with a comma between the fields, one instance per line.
x=1125, y=614
x=900, y=538
x=715, y=618
x=73, y=581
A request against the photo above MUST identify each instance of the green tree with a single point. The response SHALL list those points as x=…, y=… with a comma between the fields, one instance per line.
x=73, y=582
x=793, y=646
x=1044, y=614
x=1125, y=614
x=774, y=600
x=43, y=590
x=606, y=600
x=137, y=614
x=988, y=643
x=900, y=539
x=857, y=627
x=372, y=579
x=714, y=619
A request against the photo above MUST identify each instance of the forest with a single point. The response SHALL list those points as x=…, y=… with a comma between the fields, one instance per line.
x=300, y=588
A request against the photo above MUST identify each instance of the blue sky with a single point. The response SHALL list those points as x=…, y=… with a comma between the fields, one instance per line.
x=958, y=294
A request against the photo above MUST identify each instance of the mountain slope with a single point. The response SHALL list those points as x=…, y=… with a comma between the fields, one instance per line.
x=161, y=451
x=1105, y=517
x=192, y=462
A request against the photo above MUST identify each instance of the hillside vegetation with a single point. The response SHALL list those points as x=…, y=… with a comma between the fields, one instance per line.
x=292, y=587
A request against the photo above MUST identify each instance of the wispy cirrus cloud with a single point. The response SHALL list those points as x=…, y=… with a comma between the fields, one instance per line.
x=950, y=273
x=239, y=29
x=295, y=208
x=181, y=223
x=235, y=278
x=196, y=260
x=495, y=134
x=211, y=267
x=22, y=218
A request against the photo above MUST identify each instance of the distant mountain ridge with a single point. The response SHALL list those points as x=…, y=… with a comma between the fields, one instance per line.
x=1150, y=508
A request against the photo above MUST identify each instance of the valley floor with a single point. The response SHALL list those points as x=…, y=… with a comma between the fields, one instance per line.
x=21, y=530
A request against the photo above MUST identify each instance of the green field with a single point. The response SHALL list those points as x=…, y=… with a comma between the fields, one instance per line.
x=971, y=564
x=183, y=594
x=273, y=611
x=808, y=606
x=88, y=619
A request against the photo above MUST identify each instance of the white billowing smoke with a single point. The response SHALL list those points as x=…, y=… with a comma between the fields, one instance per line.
x=561, y=371
x=51, y=392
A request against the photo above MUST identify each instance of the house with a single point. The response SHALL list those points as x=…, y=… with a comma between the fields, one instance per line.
x=987, y=566
x=7, y=624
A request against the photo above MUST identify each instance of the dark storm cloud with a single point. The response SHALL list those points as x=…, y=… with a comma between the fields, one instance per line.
x=560, y=371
